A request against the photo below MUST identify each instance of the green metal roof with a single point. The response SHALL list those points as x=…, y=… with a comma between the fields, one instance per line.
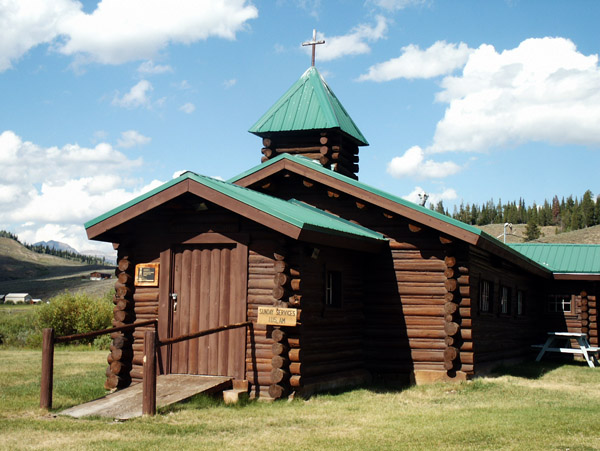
x=563, y=258
x=385, y=195
x=293, y=212
x=308, y=105
x=317, y=167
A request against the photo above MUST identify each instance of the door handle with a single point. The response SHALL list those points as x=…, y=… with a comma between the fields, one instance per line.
x=174, y=298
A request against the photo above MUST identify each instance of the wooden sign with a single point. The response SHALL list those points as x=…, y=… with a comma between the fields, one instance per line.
x=146, y=274
x=276, y=316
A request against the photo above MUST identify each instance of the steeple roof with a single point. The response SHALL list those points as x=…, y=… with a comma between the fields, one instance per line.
x=308, y=105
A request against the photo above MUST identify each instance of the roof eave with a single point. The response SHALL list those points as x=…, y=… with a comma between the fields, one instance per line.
x=592, y=277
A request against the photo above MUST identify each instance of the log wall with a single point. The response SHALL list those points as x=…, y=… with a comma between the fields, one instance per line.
x=497, y=336
x=325, y=350
x=416, y=295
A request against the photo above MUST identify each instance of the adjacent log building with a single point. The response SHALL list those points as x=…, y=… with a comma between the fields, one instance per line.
x=381, y=287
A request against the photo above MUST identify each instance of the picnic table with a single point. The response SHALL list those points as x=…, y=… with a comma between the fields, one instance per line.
x=556, y=338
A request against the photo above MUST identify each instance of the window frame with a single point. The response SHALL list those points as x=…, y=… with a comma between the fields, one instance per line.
x=486, y=296
x=334, y=288
x=505, y=300
x=520, y=303
x=556, y=303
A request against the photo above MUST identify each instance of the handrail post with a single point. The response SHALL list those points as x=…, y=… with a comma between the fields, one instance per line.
x=47, y=368
x=149, y=382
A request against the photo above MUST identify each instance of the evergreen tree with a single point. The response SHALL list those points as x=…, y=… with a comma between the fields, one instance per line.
x=440, y=207
x=588, y=208
x=555, y=210
x=532, y=231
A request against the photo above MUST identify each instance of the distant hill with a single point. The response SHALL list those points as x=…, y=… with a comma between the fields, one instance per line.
x=589, y=235
x=56, y=245
x=18, y=262
x=43, y=275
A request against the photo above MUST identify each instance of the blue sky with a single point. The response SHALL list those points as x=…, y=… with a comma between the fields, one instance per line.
x=466, y=100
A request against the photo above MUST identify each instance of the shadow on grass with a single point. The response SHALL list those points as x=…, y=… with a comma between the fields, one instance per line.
x=534, y=370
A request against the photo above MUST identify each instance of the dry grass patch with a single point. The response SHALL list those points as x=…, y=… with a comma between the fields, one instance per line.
x=535, y=406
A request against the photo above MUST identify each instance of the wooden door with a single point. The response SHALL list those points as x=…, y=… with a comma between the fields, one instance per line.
x=209, y=283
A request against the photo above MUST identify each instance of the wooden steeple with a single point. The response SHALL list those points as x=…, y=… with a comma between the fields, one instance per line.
x=310, y=120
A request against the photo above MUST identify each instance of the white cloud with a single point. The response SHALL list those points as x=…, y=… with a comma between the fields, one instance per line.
x=183, y=85
x=439, y=59
x=413, y=164
x=132, y=138
x=25, y=24
x=433, y=198
x=148, y=67
x=188, y=108
x=48, y=193
x=394, y=5
x=116, y=31
x=229, y=83
x=544, y=90
x=354, y=43
x=137, y=96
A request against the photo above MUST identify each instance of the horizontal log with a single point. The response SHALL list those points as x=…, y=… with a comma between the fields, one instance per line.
x=451, y=328
x=122, y=304
x=260, y=283
x=258, y=366
x=463, y=280
x=257, y=378
x=450, y=308
x=119, y=367
x=419, y=265
x=451, y=353
x=307, y=356
x=145, y=296
x=277, y=391
x=451, y=284
x=279, y=361
x=125, y=278
x=123, y=292
x=279, y=375
x=146, y=310
x=279, y=348
x=317, y=369
x=450, y=261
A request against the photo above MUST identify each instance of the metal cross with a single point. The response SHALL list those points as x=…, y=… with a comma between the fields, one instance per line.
x=314, y=43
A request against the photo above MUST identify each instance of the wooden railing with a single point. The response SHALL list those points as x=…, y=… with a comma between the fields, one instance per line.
x=48, y=342
x=151, y=345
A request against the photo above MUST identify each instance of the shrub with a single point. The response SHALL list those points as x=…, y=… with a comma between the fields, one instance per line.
x=18, y=329
x=78, y=313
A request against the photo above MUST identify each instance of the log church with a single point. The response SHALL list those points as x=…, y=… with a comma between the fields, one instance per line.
x=342, y=282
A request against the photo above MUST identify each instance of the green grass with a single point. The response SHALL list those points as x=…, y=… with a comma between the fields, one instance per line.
x=532, y=406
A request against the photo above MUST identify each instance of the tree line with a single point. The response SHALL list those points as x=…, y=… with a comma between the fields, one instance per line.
x=69, y=255
x=566, y=215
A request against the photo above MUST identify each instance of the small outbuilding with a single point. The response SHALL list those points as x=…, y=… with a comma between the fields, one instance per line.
x=18, y=298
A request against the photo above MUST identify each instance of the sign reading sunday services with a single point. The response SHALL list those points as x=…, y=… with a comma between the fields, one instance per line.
x=276, y=316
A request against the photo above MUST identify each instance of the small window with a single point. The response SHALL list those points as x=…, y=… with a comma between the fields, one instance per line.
x=559, y=303
x=505, y=301
x=520, y=303
x=485, y=296
x=333, y=289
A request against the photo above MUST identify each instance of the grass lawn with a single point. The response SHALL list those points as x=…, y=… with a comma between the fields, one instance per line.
x=533, y=406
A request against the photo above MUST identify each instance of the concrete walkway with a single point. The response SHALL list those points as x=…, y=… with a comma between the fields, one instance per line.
x=127, y=403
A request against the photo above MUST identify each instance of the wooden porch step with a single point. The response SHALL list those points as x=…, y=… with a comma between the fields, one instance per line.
x=170, y=388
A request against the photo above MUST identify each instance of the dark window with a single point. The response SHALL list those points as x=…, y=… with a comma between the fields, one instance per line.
x=558, y=303
x=486, y=294
x=333, y=289
x=520, y=302
x=505, y=301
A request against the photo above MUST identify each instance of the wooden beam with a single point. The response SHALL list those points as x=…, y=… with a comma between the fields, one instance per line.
x=414, y=228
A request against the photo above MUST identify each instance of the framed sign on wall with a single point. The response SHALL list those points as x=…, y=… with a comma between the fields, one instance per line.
x=146, y=274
